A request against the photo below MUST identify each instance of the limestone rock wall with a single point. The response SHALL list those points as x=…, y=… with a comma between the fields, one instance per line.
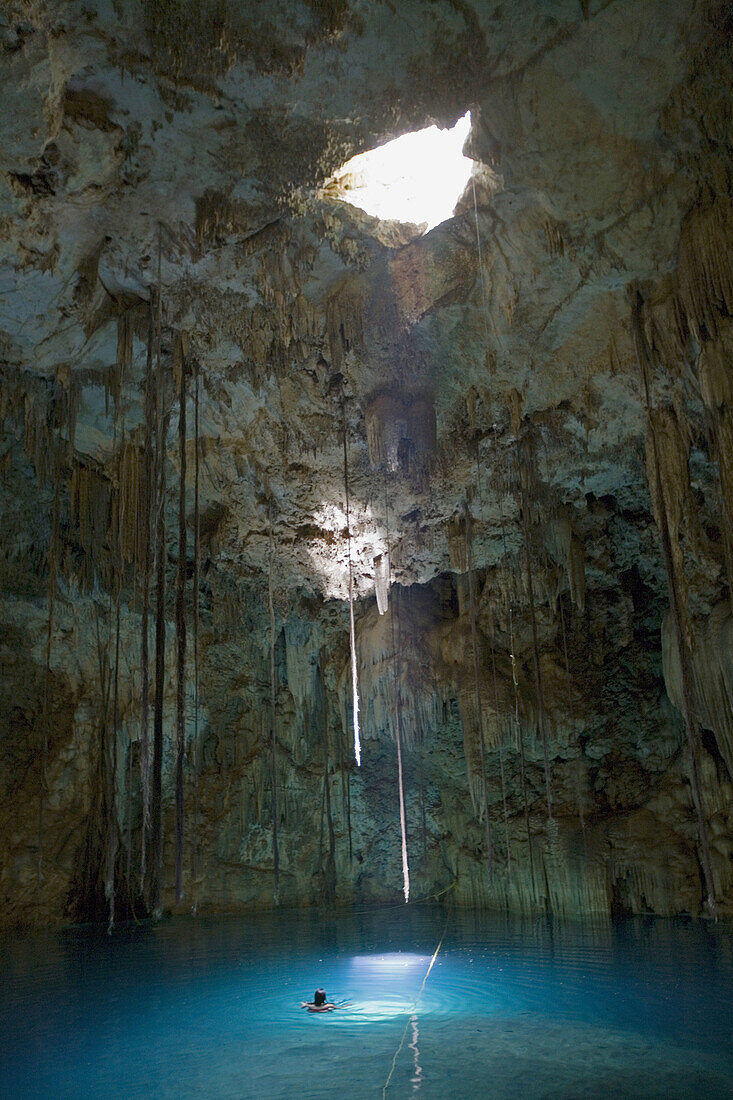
x=526, y=402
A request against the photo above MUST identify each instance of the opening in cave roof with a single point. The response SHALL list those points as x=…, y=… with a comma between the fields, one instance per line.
x=416, y=178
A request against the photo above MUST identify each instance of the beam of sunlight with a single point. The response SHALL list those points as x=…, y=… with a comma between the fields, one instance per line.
x=354, y=674
x=417, y=178
x=392, y=962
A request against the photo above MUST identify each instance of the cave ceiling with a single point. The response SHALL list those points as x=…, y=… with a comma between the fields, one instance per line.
x=203, y=135
x=167, y=205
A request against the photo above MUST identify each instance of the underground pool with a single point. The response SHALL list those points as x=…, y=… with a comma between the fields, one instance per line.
x=211, y=1007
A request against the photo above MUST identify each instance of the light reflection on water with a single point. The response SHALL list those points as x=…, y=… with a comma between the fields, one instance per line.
x=210, y=1007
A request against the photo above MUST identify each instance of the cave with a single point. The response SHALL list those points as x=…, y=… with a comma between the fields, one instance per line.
x=365, y=568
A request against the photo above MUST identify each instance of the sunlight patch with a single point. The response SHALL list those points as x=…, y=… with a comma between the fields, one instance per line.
x=416, y=178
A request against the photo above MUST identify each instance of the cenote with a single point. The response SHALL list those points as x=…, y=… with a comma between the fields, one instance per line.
x=366, y=548
x=511, y=1008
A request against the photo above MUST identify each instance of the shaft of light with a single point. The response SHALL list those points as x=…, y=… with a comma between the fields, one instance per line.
x=352, y=631
x=403, y=823
x=354, y=674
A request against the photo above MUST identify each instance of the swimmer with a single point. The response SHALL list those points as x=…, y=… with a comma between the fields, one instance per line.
x=319, y=1002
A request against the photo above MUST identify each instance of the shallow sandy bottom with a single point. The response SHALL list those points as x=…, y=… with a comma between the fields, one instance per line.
x=522, y=1060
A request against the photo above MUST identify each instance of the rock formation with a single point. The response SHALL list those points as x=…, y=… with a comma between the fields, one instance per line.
x=535, y=405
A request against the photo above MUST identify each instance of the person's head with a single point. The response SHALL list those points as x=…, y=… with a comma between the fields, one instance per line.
x=319, y=998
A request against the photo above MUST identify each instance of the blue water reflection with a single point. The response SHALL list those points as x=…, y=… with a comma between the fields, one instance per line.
x=210, y=1007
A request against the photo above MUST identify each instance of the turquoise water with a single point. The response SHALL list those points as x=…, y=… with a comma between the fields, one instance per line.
x=208, y=1007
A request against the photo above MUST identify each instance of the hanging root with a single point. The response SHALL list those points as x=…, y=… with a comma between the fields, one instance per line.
x=156, y=839
x=346, y=780
x=329, y=864
x=181, y=620
x=352, y=631
x=477, y=689
x=403, y=822
x=398, y=730
x=501, y=760
x=196, y=560
x=111, y=775
x=146, y=507
x=517, y=723
x=524, y=508
x=273, y=725
x=345, y=797
x=45, y=716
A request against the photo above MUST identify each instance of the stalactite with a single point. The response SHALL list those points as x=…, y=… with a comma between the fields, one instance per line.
x=90, y=499
x=676, y=598
x=566, y=549
x=381, y=583
x=124, y=359
x=704, y=283
x=716, y=390
x=524, y=508
x=196, y=568
x=273, y=723
x=345, y=314
x=420, y=702
x=667, y=452
x=352, y=631
x=124, y=340
x=401, y=433
x=302, y=641
x=180, y=365
x=156, y=837
x=477, y=689
x=128, y=503
x=145, y=524
x=110, y=824
x=712, y=669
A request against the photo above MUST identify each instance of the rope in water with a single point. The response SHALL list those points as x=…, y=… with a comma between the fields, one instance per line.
x=414, y=1006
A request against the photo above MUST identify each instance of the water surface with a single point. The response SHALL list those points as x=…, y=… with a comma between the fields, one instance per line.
x=209, y=1007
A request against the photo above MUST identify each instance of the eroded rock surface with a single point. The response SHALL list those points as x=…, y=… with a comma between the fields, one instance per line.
x=533, y=397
